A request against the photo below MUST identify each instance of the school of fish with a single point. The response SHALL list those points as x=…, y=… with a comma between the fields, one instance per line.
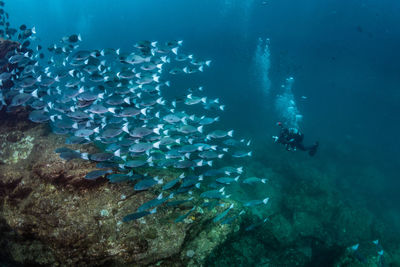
x=119, y=101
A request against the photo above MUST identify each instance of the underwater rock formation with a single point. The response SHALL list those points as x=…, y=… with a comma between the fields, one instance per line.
x=52, y=215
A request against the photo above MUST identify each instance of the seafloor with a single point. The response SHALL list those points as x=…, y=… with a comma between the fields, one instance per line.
x=51, y=216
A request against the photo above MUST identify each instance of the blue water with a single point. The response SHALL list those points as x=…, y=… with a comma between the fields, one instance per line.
x=343, y=55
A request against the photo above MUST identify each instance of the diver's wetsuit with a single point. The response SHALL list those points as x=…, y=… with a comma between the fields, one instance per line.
x=292, y=138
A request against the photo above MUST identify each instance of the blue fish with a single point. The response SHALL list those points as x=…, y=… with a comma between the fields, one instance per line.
x=173, y=182
x=184, y=216
x=138, y=215
x=231, y=219
x=147, y=183
x=222, y=214
x=93, y=175
x=255, y=225
x=154, y=202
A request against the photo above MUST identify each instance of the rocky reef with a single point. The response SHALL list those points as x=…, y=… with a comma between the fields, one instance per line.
x=311, y=221
x=51, y=215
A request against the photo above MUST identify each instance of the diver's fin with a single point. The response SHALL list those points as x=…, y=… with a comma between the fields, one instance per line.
x=313, y=150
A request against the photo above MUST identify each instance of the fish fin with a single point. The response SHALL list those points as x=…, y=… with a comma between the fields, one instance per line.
x=153, y=211
x=35, y=93
x=157, y=145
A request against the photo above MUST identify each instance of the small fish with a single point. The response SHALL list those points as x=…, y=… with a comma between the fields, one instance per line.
x=255, y=225
x=187, y=149
x=84, y=132
x=190, y=69
x=72, y=38
x=222, y=214
x=219, y=134
x=140, y=147
x=197, y=62
x=183, y=164
x=22, y=98
x=184, y=216
x=379, y=248
x=173, y=182
x=228, y=170
x=210, y=155
x=235, y=143
x=231, y=219
x=193, y=100
x=119, y=177
x=39, y=116
x=105, y=164
x=256, y=202
x=183, y=57
x=208, y=121
x=188, y=129
x=68, y=155
x=72, y=140
x=176, y=71
x=227, y=180
x=147, y=183
x=242, y=154
x=138, y=215
x=191, y=181
x=216, y=194
x=357, y=254
x=134, y=163
x=93, y=175
x=101, y=156
x=254, y=180
x=154, y=202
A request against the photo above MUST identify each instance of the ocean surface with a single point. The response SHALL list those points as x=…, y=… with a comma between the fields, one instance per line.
x=343, y=57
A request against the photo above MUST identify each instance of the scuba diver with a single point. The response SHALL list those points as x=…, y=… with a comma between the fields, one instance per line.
x=292, y=139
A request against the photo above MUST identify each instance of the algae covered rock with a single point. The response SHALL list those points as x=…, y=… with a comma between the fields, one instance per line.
x=51, y=215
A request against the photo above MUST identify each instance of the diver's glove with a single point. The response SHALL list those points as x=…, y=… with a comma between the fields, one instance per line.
x=275, y=138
